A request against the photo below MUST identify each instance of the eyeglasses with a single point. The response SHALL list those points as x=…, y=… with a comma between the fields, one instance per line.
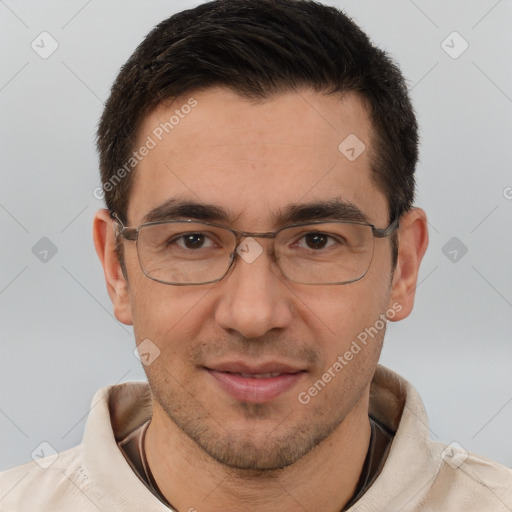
x=187, y=252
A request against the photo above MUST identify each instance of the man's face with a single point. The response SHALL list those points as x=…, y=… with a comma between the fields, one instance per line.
x=253, y=160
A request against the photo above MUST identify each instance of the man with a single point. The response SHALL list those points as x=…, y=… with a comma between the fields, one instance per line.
x=257, y=158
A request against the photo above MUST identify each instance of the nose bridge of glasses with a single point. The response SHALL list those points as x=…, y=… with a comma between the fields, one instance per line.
x=247, y=234
x=242, y=236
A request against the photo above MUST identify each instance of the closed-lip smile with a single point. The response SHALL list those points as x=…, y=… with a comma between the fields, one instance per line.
x=255, y=383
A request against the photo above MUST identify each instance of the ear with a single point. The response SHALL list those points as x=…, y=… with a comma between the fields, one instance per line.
x=413, y=242
x=104, y=241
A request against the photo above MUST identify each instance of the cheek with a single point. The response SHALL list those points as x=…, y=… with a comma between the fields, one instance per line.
x=338, y=314
x=171, y=317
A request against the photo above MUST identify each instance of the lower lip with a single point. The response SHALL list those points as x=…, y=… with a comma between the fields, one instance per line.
x=247, y=389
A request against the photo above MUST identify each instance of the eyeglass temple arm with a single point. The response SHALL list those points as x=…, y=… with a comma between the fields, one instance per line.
x=122, y=230
x=383, y=233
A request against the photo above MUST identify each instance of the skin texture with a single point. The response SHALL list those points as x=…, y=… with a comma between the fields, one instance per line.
x=207, y=450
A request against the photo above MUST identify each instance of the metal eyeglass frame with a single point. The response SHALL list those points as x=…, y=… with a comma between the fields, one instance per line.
x=132, y=234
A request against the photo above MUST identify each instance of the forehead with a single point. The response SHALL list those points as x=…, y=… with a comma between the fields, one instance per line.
x=255, y=158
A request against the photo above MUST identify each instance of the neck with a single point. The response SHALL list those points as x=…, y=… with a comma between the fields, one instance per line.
x=324, y=479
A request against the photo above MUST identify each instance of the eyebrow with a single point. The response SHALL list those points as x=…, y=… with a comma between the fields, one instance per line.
x=333, y=209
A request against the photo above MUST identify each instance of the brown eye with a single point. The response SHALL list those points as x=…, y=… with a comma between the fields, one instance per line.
x=316, y=240
x=193, y=240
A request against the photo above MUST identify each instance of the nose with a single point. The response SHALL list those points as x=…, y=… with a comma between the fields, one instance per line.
x=254, y=297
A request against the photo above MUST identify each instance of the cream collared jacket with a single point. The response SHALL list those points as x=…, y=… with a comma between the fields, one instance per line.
x=419, y=474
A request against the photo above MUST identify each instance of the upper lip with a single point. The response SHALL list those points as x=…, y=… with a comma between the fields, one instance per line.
x=254, y=369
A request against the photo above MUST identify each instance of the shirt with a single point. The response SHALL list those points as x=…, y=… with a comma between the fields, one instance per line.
x=419, y=475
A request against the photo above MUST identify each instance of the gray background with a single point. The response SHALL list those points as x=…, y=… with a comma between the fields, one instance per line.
x=59, y=342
